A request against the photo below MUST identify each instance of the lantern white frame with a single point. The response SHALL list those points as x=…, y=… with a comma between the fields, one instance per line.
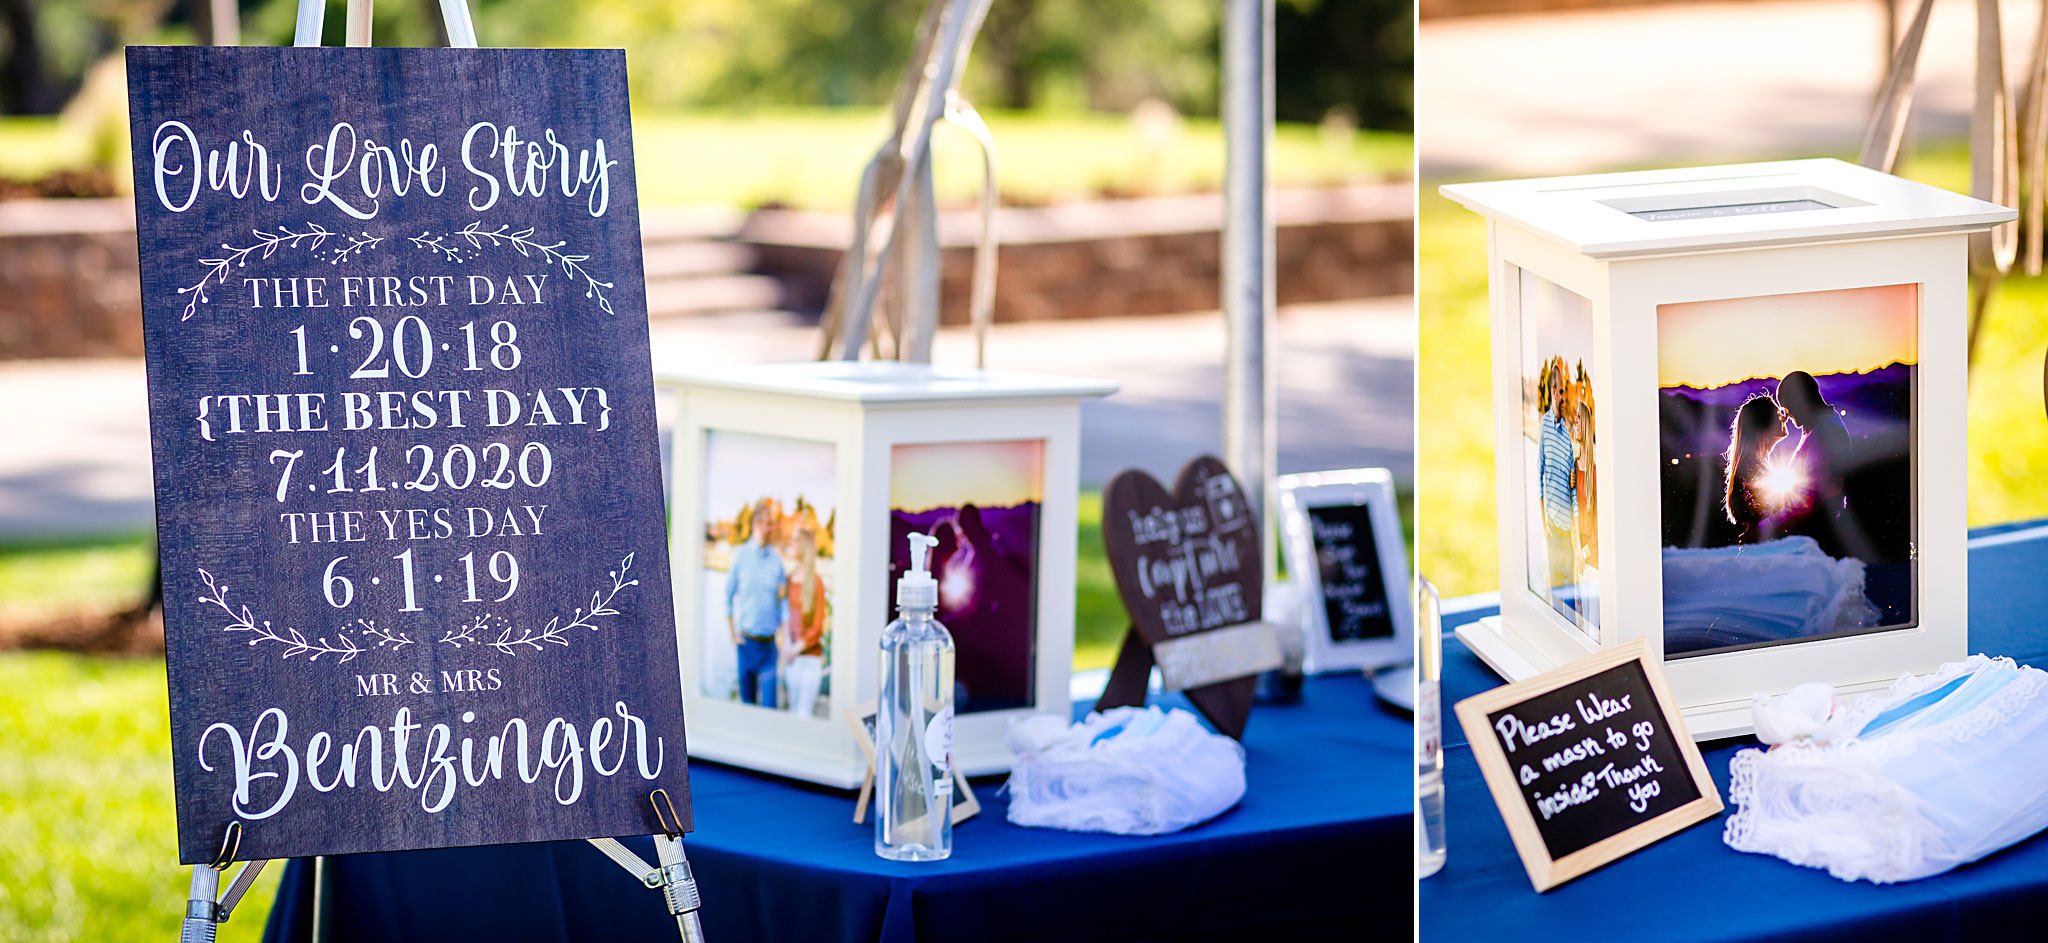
x=1373, y=489
x=1578, y=233
x=863, y=409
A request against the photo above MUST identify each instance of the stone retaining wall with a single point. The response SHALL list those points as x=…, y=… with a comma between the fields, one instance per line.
x=68, y=285
x=1126, y=257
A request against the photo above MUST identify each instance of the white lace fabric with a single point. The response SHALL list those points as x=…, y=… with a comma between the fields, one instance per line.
x=1940, y=771
x=1126, y=771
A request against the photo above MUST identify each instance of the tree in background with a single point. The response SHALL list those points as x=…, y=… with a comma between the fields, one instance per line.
x=1355, y=56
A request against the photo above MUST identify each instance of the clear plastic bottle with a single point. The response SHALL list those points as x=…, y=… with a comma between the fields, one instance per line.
x=1429, y=732
x=914, y=722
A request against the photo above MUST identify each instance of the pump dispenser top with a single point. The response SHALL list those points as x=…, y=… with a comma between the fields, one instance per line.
x=917, y=589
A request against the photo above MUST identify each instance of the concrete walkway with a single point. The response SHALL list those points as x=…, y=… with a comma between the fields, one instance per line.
x=74, y=434
x=1680, y=84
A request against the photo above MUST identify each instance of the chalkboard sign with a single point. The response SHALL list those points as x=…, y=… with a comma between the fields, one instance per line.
x=1191, y=572
x=1588, y=763
x=1341, y=531
x=407, y=483
x=1348, y=574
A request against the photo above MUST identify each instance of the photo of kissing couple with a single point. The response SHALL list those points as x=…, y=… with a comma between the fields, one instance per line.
x=1787, y=446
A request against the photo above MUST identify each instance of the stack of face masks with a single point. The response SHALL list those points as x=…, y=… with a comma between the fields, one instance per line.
x=1128, y=771
x=1945, y=769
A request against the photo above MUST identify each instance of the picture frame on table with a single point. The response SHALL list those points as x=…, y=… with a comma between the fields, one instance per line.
x=1340, y=534
x=861, y=719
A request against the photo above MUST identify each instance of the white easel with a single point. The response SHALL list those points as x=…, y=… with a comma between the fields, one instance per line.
x=208, y=907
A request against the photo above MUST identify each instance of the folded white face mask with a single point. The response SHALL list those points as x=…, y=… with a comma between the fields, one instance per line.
x=1945, y=769
x=1127, y=771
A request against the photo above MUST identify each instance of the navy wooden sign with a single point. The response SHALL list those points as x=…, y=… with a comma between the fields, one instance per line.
x=407, y=483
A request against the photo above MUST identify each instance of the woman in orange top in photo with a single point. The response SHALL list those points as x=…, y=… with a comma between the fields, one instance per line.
x=803, y=637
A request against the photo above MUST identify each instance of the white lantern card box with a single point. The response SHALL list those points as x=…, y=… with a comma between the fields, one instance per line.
x=1729, y=420
x=793, y=488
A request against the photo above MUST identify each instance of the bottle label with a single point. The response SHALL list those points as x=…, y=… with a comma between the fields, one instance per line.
x=938, y=741
x=1428, y=723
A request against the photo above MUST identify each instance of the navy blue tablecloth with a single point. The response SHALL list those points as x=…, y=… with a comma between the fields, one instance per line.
x=1320, y=846
x=1692, y=888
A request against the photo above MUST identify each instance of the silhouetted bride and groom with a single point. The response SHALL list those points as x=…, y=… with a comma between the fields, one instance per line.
x=1796, y=567
x=1772, y=491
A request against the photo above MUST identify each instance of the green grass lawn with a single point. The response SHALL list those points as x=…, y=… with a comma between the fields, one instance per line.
x=1454, y=450
x=88, y=838
x=88, y=841
x=32, y=146
x=774, y=155
x=40, y=580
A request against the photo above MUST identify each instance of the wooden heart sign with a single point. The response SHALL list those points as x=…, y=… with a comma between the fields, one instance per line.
x=1189, y=568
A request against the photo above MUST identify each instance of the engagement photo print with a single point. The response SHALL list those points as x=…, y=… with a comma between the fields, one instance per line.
x=768, y=553
x=981, y=501
x=1557, y=451
x=1787, y=459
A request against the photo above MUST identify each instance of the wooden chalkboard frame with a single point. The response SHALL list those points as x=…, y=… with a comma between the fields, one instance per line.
x=1546, y=872
x=1373, y=489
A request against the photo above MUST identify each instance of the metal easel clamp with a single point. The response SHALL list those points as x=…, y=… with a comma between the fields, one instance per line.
x=677, y=883
x=672, y=876
x=206, y=907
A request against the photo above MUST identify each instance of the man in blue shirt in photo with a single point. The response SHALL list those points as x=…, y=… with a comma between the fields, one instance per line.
x=755, y=593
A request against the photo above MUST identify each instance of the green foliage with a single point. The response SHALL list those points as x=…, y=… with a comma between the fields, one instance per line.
x=1345, y=54
x=2008, y=457
x=1355, y=55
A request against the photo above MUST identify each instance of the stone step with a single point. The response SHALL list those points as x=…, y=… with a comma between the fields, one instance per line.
x=696, y=257
x=683, y=297
x=660, y=224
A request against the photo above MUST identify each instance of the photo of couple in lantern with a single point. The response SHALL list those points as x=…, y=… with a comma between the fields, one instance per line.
x=768, y=554
x=1557, y=428
x=1787, y=437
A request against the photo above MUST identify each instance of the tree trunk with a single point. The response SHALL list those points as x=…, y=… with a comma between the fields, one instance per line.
x=23, y=88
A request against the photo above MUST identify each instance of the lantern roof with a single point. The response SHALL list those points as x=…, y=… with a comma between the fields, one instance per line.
x=1732, y=206
x=887, y=381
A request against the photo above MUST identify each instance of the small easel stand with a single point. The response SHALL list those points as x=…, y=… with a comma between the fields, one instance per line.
x=205, y=912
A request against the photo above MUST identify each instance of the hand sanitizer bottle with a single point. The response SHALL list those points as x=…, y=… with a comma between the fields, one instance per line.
x=914, y=722
x=1429, y=731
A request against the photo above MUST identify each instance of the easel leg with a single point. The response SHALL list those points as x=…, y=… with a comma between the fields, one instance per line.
x=680, y=887
x=672, y=877
x=202, y=912
x=1130, y=679
x=321, y=916
x=207, y=907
